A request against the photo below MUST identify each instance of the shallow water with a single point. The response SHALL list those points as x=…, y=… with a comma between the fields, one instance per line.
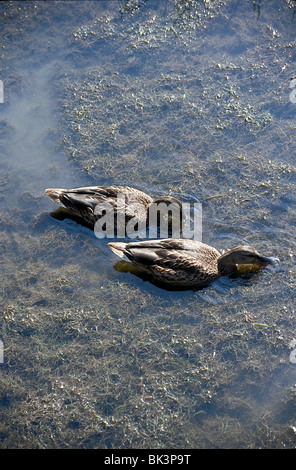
x=188, y=98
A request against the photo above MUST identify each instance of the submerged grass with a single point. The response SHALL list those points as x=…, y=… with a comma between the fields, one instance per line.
x=96, y=358
x=102, y=367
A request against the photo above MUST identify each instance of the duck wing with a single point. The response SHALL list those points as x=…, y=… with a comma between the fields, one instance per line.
x=172, y=260
x=92, y=195
x=83, y=201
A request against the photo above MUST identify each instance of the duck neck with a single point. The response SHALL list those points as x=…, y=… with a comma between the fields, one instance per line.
x=226, y=264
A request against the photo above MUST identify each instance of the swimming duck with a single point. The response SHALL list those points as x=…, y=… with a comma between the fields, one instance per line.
x=82, y=202
x=182, y=262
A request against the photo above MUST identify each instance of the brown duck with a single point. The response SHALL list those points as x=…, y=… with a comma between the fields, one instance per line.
x=82, y=202
x=181, y=262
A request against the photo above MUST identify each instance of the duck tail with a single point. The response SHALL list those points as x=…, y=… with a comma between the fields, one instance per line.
x=55, y=194
x=118, y=248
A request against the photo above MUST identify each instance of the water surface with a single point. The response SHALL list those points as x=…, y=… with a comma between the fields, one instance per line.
x=188, y=98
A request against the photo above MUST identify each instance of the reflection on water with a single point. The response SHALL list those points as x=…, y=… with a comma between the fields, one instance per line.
x=191, y=100
x=31, y=146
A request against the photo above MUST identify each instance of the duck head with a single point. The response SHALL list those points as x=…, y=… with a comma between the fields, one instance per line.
x=242, y=255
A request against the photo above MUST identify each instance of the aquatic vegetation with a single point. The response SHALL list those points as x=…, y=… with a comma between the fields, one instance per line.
x=162, y=95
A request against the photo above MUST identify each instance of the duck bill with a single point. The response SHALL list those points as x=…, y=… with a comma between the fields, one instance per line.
x=266, y=261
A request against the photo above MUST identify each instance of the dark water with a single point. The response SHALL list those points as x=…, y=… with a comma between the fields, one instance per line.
x=190, y=98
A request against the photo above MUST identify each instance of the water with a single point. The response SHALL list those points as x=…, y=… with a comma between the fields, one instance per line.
x=188, y=99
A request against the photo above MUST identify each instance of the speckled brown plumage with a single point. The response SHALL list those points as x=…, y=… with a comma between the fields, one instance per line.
x=82, y=202
x=185, y=262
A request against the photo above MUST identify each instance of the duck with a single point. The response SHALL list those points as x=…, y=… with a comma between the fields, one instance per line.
x=84, y=202
x=186, y=262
